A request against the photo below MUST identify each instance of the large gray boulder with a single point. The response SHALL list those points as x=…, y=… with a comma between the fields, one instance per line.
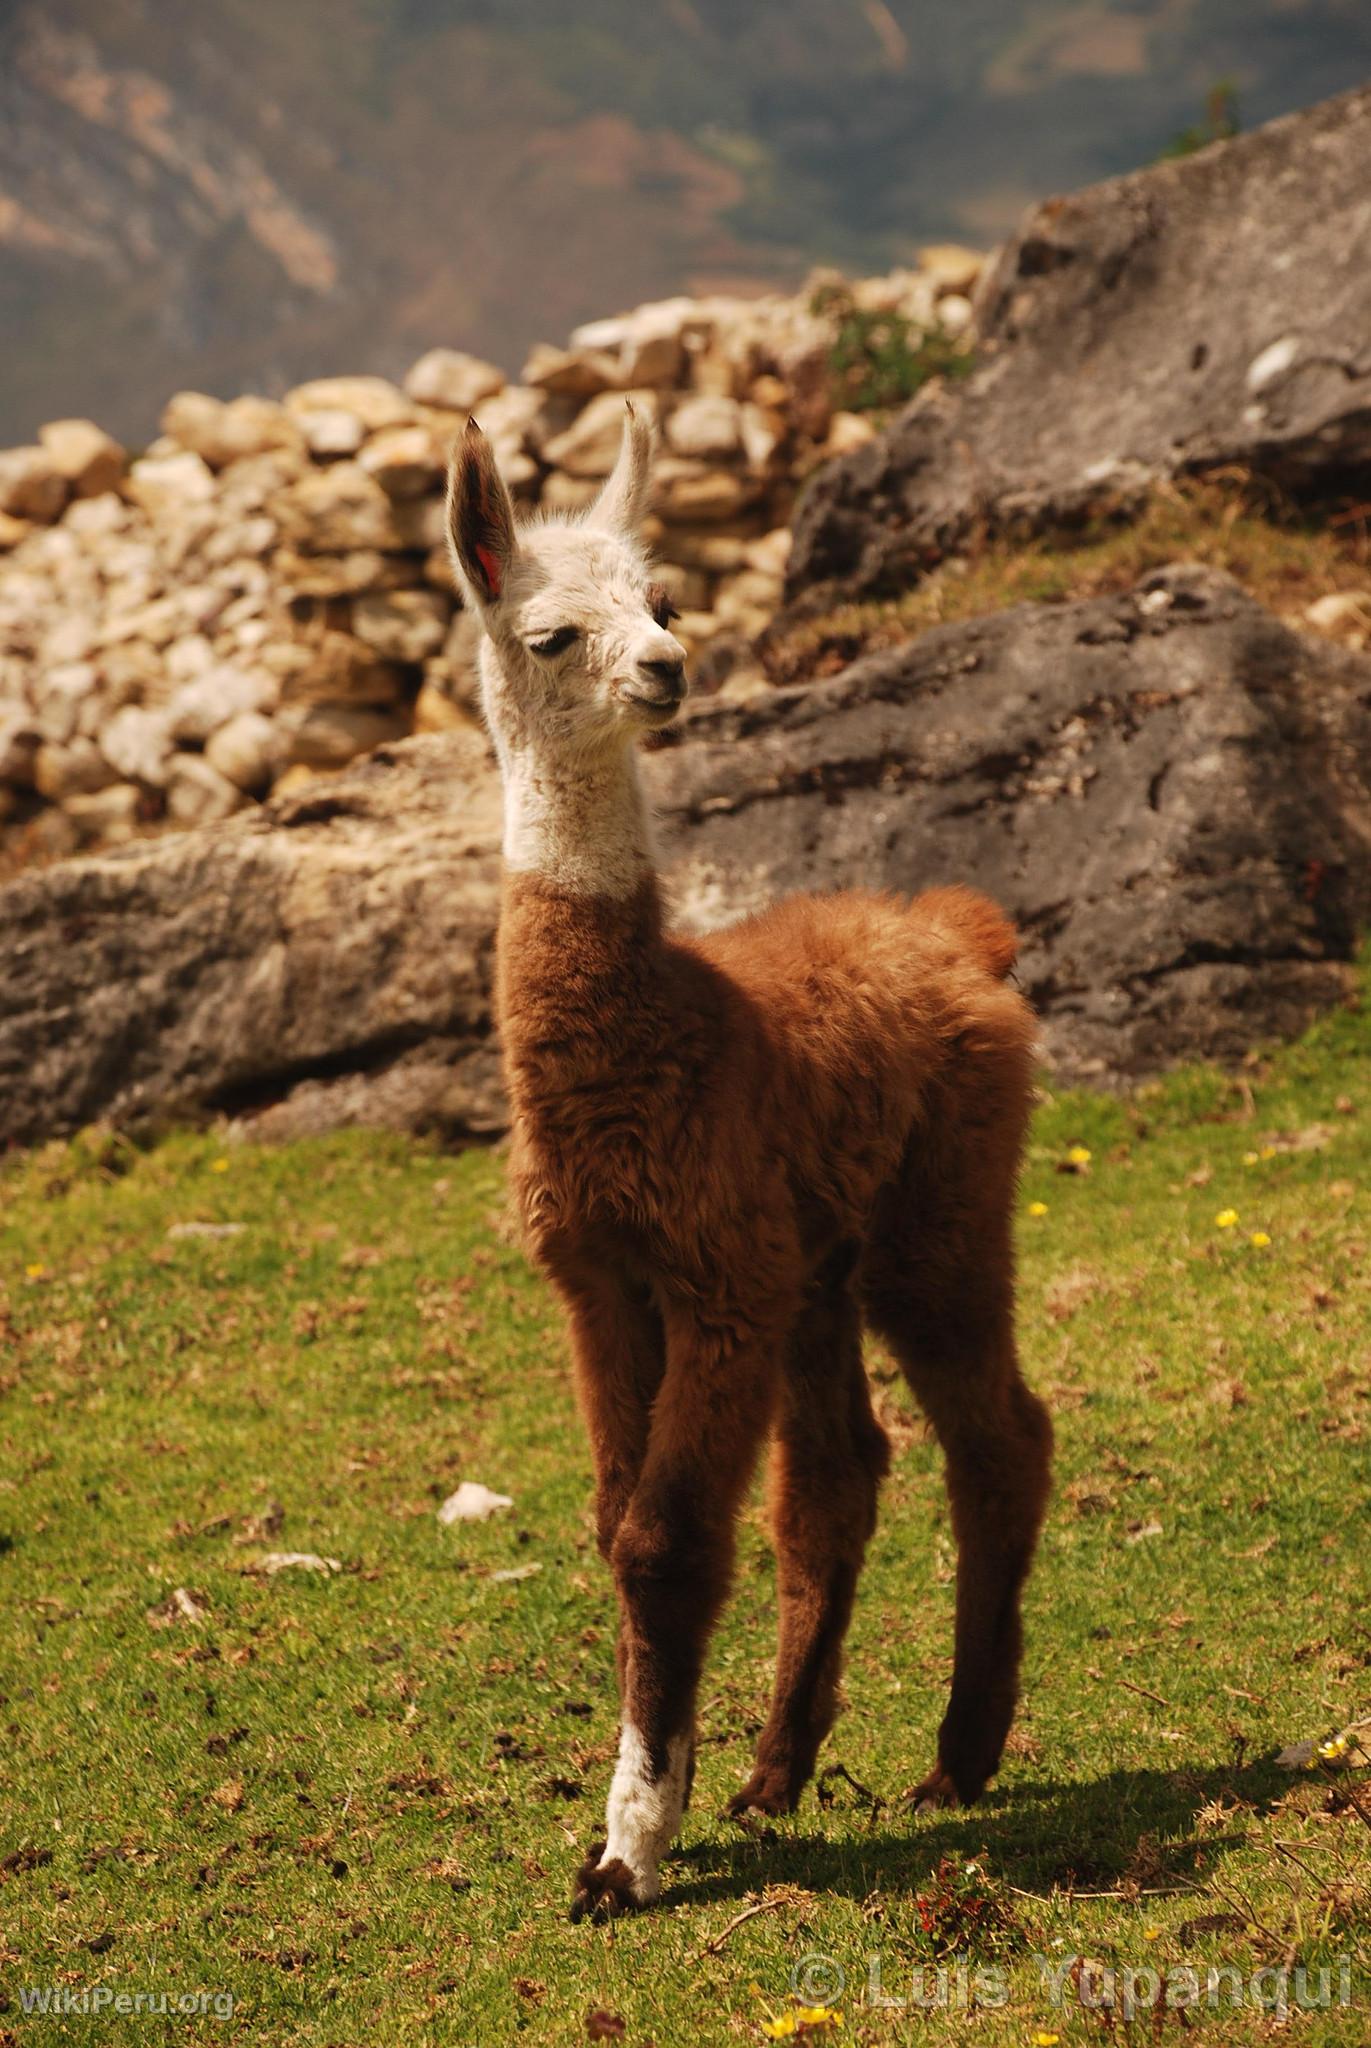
x=1212, y=310
x=1168, y=790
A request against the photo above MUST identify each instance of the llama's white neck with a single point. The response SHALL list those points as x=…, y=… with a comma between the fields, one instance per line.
x=580, y=824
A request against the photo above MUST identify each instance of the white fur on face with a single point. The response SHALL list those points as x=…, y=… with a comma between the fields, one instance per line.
x=645, y=1811
x=564, y=732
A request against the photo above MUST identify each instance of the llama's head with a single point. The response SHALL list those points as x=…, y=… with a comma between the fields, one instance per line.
x=578, y=652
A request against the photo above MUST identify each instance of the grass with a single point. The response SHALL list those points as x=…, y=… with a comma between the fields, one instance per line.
x=353, y=1799
x=878, y=360
x=1285, y=555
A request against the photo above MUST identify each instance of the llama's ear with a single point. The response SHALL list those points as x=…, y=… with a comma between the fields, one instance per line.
x=623, y=502
x=480, y=518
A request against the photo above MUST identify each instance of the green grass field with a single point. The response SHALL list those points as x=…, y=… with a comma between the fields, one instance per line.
x=352, y=1800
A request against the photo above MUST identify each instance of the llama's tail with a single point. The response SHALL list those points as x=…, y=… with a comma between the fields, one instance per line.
x=973, y=923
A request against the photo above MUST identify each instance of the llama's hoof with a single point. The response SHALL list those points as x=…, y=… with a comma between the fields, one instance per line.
x=766, y=1792
x=933, y=1793
x=602, y=1890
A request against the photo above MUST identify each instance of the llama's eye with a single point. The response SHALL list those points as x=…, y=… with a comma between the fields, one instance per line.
x=660, y=605
x=555, y=643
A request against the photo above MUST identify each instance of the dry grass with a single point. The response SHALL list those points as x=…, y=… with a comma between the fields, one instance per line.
x=1286, y=556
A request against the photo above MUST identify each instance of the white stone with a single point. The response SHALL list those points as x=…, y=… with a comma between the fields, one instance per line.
x=247, y=752
x=705, y=427
x=375, y=401
x=330, y=431
x=199, y=707
x=91, y=460
x=31, y=485
x=1273, y=362
x=951, y=266
x=448, y=378
x=167, y=484
x=223, y=432
x=71, y=770
x=401, y=625
x=93, y=518
x=198, y=794
x=403, y=460
x=1344, y=616
x=590, y=445
x=572, y=372
x=472, y=1502
x=771, y=553
x=189, y=657
x=763, y=429
x=137, y=745
x=60, y=693
x=847, y=431
x=109, y=815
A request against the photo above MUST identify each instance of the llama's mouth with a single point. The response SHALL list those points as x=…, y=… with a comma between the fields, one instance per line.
x=654, y=705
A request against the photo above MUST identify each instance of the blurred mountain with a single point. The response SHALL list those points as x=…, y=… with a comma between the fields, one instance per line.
x=243, y=193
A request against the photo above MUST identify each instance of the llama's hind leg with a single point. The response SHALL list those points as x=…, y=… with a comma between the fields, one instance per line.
x=938, y=1283
x=671, y=1560
x=828, y=1459
x=952, y=1332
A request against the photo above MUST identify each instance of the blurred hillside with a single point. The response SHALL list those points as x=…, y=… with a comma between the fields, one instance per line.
x=245, y=194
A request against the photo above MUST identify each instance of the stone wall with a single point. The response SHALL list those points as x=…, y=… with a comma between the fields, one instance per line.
x=263, y=594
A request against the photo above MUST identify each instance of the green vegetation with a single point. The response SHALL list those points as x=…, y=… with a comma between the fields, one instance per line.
x=1220, y=123
x=353, y=1799
x=1284, y=554
x=879, y=360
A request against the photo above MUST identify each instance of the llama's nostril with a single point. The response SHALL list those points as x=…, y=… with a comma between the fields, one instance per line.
x=670, y=674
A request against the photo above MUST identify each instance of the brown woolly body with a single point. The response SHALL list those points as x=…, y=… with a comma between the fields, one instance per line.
x=754, y=1139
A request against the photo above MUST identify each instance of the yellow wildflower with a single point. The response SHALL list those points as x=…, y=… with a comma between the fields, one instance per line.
x=218, y=1166
x=1250, y=1158
x=1260, y=1239
x=1267, y=1152
x=1042, y=2039
x=1330, y=1751
x=782, y=2028
x=1079, y=1155
x=36, y=1270
x=818, y=2016
x=1226, y=1218
x=1152, y=1934
x=1037, y=1208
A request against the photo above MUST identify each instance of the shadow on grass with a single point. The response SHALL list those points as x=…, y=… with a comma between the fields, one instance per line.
x=1133, y=1827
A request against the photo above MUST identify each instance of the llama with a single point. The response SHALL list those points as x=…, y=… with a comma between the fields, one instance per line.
x=730, y=1153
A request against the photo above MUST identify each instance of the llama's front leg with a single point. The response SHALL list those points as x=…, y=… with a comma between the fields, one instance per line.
x=671, y=1559
x=828, y=1460
x=618, y=1355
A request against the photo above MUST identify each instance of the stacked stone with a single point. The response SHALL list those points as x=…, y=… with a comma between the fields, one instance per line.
x=264, y=593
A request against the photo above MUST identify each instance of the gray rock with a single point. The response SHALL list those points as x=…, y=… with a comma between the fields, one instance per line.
x=1212, y=310
x=1168, y=790
x=321, y=955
